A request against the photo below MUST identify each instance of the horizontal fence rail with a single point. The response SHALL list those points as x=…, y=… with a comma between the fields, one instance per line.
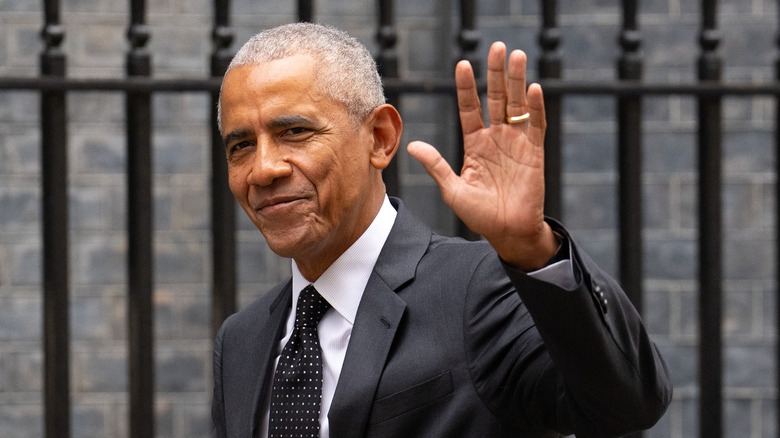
x=139, y=86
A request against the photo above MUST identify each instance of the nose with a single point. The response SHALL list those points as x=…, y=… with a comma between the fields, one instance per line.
x=269, y=165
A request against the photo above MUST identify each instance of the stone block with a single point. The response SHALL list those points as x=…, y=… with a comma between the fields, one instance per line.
x=600, y=8
x=102, y=152
x=739, y=415
x=20, y=208
x=190, y=205
x=180, y=261
x=19, y=6
x=88, y=208
x=89, y=421
x=656, y=314
x=251, y=261
x=742, y=312
x=26, y=263
x=29, y=370
x=193, y=420
x=748, y=365
x=748, y=152
x=97, y=47
x=671, y=43
x=186, y=49
x=769, y=417
x=20, y=318
x=743, y=203
x=280, y=8
x=683, y=364
x=591, y=206
x=90, y=318
x=181, y=313
x=21, y=108
x=24, y=44
x=685, y=324
x=590, y=152
x=176, y=153
x=175, y=109
x=749, y=258
x=94, y=6
x=182, y=370
x=577, y=49
x=669, y=151
x=657, y=205
x=97, y=368
x=100, y=261
x=89, y=107
x=422, y=43
x=748, y=45
x=672, y=258
x=22, y=420
x=20, y=153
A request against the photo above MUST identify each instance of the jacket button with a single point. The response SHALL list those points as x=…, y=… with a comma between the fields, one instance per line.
x=601, y=298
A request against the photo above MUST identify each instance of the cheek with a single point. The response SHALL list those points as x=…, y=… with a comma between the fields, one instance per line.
x=237, y=186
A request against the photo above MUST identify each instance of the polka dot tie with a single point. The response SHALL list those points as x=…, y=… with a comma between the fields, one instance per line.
x=297, y=391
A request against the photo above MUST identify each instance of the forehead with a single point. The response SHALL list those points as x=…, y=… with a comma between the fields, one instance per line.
x=286, y=84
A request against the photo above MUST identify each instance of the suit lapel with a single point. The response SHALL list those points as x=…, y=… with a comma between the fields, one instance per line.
x=265, y=344
x=376, y=323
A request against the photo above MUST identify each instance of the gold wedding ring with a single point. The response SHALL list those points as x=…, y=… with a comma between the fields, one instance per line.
x=518, y=119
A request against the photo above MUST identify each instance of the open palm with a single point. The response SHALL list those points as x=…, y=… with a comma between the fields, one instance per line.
x=500, y=190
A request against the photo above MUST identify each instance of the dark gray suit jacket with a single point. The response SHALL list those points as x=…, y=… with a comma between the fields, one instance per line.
x=449, y=342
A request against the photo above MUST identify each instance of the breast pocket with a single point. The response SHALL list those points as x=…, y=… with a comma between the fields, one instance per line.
x=412, y=398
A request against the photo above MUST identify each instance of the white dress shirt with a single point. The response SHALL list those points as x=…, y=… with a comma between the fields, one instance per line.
x=342, y=285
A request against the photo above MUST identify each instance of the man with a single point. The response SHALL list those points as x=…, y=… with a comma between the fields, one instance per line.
x=421, y=335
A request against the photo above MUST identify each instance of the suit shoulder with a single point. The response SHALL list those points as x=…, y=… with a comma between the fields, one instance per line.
x=258, y=307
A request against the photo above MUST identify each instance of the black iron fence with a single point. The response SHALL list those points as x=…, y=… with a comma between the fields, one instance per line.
x=138, y=87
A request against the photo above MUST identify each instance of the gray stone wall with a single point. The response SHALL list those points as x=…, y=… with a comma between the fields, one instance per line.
x=95, y=46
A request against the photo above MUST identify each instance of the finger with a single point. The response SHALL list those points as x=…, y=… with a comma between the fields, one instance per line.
x=537, y=124
x=516, y=100
x=496, y=84
x=436, y=166
x=469, y=108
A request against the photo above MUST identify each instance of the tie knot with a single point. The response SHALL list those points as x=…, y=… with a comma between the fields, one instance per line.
x=311, y=307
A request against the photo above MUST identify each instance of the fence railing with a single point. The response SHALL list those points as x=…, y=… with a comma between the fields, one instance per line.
x=139, y=85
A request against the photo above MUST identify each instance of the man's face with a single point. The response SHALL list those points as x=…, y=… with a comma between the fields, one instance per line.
x=297, y=163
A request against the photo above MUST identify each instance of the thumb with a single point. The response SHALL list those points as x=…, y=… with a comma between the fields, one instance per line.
x=436, y=166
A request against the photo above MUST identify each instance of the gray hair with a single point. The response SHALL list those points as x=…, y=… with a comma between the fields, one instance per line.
x=345, y=69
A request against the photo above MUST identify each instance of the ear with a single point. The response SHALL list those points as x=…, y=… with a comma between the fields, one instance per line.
x=387, y=128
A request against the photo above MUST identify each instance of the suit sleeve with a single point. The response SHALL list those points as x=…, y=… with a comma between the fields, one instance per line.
x=217, y=402
x=575, y=361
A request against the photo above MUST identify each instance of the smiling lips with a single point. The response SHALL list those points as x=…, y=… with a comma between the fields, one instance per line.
x=272, y=204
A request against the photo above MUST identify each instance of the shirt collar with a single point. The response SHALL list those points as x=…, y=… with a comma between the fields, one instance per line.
x=343, y=283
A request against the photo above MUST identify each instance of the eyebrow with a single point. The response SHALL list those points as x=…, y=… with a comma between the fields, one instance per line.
x=234, y=135
x=285, y=121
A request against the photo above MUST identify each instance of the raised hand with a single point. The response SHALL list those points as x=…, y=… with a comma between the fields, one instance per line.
x=500, y=190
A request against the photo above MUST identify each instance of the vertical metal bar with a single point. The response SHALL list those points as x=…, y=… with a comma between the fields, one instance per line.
x=387, y=63
x=630, y=158
x=56, y=331
x=305, y=10
x=223, y=216
x=550, y=68
x=468, y=40
x=630, y=161
x=139, y=228
x=710, y=345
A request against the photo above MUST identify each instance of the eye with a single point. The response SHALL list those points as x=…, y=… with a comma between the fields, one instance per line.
x=237, y=147
x=297, y=133
x=297, y=130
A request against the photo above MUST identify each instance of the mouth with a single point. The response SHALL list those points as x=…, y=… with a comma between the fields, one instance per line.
x=276, y=203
